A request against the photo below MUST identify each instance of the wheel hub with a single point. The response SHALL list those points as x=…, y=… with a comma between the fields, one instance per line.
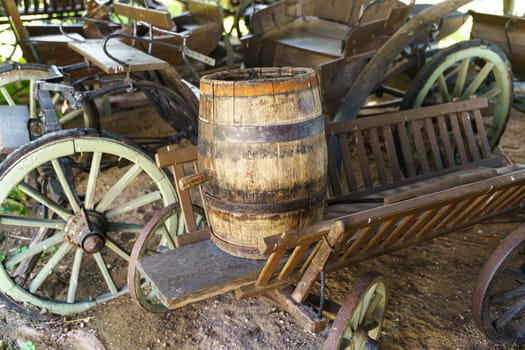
x=86, y=230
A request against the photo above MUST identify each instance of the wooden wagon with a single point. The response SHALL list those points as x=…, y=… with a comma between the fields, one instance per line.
x=395, y=180
x=78, y=227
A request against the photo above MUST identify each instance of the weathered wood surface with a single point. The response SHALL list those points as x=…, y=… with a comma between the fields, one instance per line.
x=156, y=18
x=261, y=133
x=395, y=149
x=197, y=271
x=507, y=32
x=376, y=68
x=134, y=59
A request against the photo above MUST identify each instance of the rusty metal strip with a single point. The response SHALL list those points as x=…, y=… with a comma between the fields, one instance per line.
x=312, y=201
x=262, y=133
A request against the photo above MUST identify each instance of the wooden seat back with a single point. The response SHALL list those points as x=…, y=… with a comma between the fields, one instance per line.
x=372, y=154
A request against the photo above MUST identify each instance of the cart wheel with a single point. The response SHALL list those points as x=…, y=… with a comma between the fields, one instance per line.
x=17, y=82
x=67, y=233
x=469, y=68
x=359, y=321
x=113, y=100
x=498, y=298
x=156, y=238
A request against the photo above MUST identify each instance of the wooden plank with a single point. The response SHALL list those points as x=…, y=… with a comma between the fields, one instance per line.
x=419, y=143
x=444, y=136
x=363, y=159
x=458, y=137
x=406, y=149
x=385, y=228
x=391, y=150
x=405, y=116
x=421, y=220
x=135, y=60
x=197, y=272
x=346, y=155
x=157, y=18
x=362, y=236
x=176, y=155
x=378, y=155
x=269, y=268
x=333, y=169
x=293, y=261
x=184, y=199
x=318, y=262
x=439, y=183
x=434, y=146
x=401, y=227
x=472, y=144
x=482, y=133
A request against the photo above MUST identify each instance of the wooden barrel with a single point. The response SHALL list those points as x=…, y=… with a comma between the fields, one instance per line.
x=261, y=133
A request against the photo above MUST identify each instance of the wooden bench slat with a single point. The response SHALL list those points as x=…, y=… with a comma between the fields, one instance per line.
x=408, y=160
x=482, y=133
x=449, y=159
x=363, y=159
x=434, y=146
x=392, y=153
x=471, y=138
x=333, y=169
x=459, y=141
x=351, y=181
x=378, y=155
x=419, y=143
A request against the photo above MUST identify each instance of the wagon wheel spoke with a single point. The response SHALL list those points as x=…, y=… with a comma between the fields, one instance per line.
x=75, y=259
x=443, y=89
x=478, y=80
x=110, y=244
x=462, y=76
x=469, y=68
x=34, y=250
x=75, y=272
x=45, y=272
x=498, y=300
x=92, y=180
x=105, y=273
x=510, y=314
x=65, y=182
x=45, y=200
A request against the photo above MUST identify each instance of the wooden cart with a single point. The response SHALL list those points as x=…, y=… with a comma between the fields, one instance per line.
x=404, y=177
x=79, y=234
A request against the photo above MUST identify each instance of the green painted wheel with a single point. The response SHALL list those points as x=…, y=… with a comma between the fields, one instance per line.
x=359, y=321
x=469, y=68
x=66, y=234
x=156, y=238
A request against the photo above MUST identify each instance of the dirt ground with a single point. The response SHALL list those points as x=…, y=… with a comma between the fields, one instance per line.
x=428, y=308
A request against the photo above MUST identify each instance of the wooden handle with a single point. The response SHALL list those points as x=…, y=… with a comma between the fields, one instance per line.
x=190, y=181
